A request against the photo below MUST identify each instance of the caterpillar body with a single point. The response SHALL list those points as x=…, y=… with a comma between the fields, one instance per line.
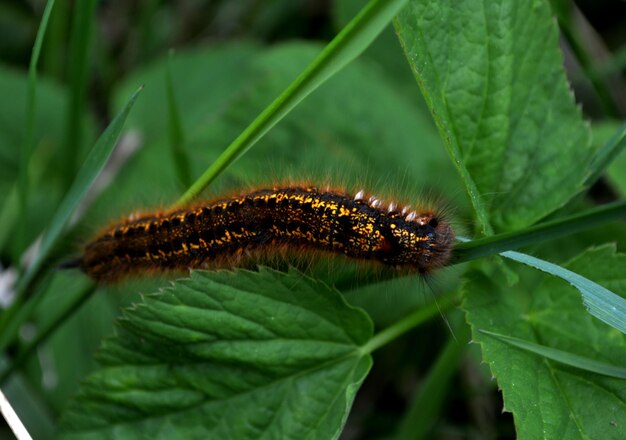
x=204, y=235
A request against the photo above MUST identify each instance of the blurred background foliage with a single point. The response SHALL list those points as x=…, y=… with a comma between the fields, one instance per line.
x=227, y=60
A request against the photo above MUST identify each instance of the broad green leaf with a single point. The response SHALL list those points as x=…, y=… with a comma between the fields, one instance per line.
x=549, y=399
x=492, y=75
x=228, y=355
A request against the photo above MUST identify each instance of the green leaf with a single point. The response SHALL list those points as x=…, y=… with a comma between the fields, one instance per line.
x=492, y=75
x=549, y=399
x=228, y=355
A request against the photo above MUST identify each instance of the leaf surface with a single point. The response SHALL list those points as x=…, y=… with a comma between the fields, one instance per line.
x=228, y=355
x=491, y=73
x=550, y=399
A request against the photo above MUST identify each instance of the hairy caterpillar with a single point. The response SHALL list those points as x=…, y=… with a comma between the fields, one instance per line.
x=358, y=226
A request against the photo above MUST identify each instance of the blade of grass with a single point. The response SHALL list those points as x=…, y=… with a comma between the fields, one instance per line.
x=12, y=419
x=418, y=420
x=563, y=357
x=176, y=134
x=54, y=60
x=10, y=321
x=585, y=61
x=27, y=144
x=470, y=250
x=48, y=331
x=605, y=155
x=410, y=321
x=600, y=302
x=78, y=74
x=347, y=45
x=87, y=174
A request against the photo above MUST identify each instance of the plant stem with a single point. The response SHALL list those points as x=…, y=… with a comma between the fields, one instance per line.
x=557, y=228
x=44, y=334
x=602, y=90
x=27, y=144
x=176, y=135
x=409, y=322
x=423, y=412
x=82, y=24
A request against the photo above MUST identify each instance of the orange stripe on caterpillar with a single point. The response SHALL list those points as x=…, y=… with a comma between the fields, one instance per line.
x=357, y=226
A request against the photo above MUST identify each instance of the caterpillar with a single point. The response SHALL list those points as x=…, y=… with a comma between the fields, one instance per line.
x=358, y=226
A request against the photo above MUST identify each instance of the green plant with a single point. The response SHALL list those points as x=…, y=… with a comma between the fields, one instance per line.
x=245, y=354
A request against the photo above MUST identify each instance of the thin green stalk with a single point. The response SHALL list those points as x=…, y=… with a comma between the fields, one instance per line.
x=545, y=231
x=353, y=39
x=420, y=417
x=80, y=43
x=176, y=134
x=27, y=144
x=54, y=61
x=20, y=311
x=409, y=322
x=48, y=331
x=12, y=318
x=606, y=154
x=602, y=90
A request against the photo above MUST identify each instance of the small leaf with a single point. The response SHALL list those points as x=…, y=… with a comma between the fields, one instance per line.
x=228, y=355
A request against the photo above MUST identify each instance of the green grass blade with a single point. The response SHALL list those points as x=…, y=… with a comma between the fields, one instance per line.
x=80, y=43
x=563, y=357
x=600, y=302
x=347, y=45
x=27, y=145
x=584, y=58
x=418, y=420
x=48, y=331
x=409, y=322
x=90, y=169
x=176, y=134
x=470, y=250
x=605, y=155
